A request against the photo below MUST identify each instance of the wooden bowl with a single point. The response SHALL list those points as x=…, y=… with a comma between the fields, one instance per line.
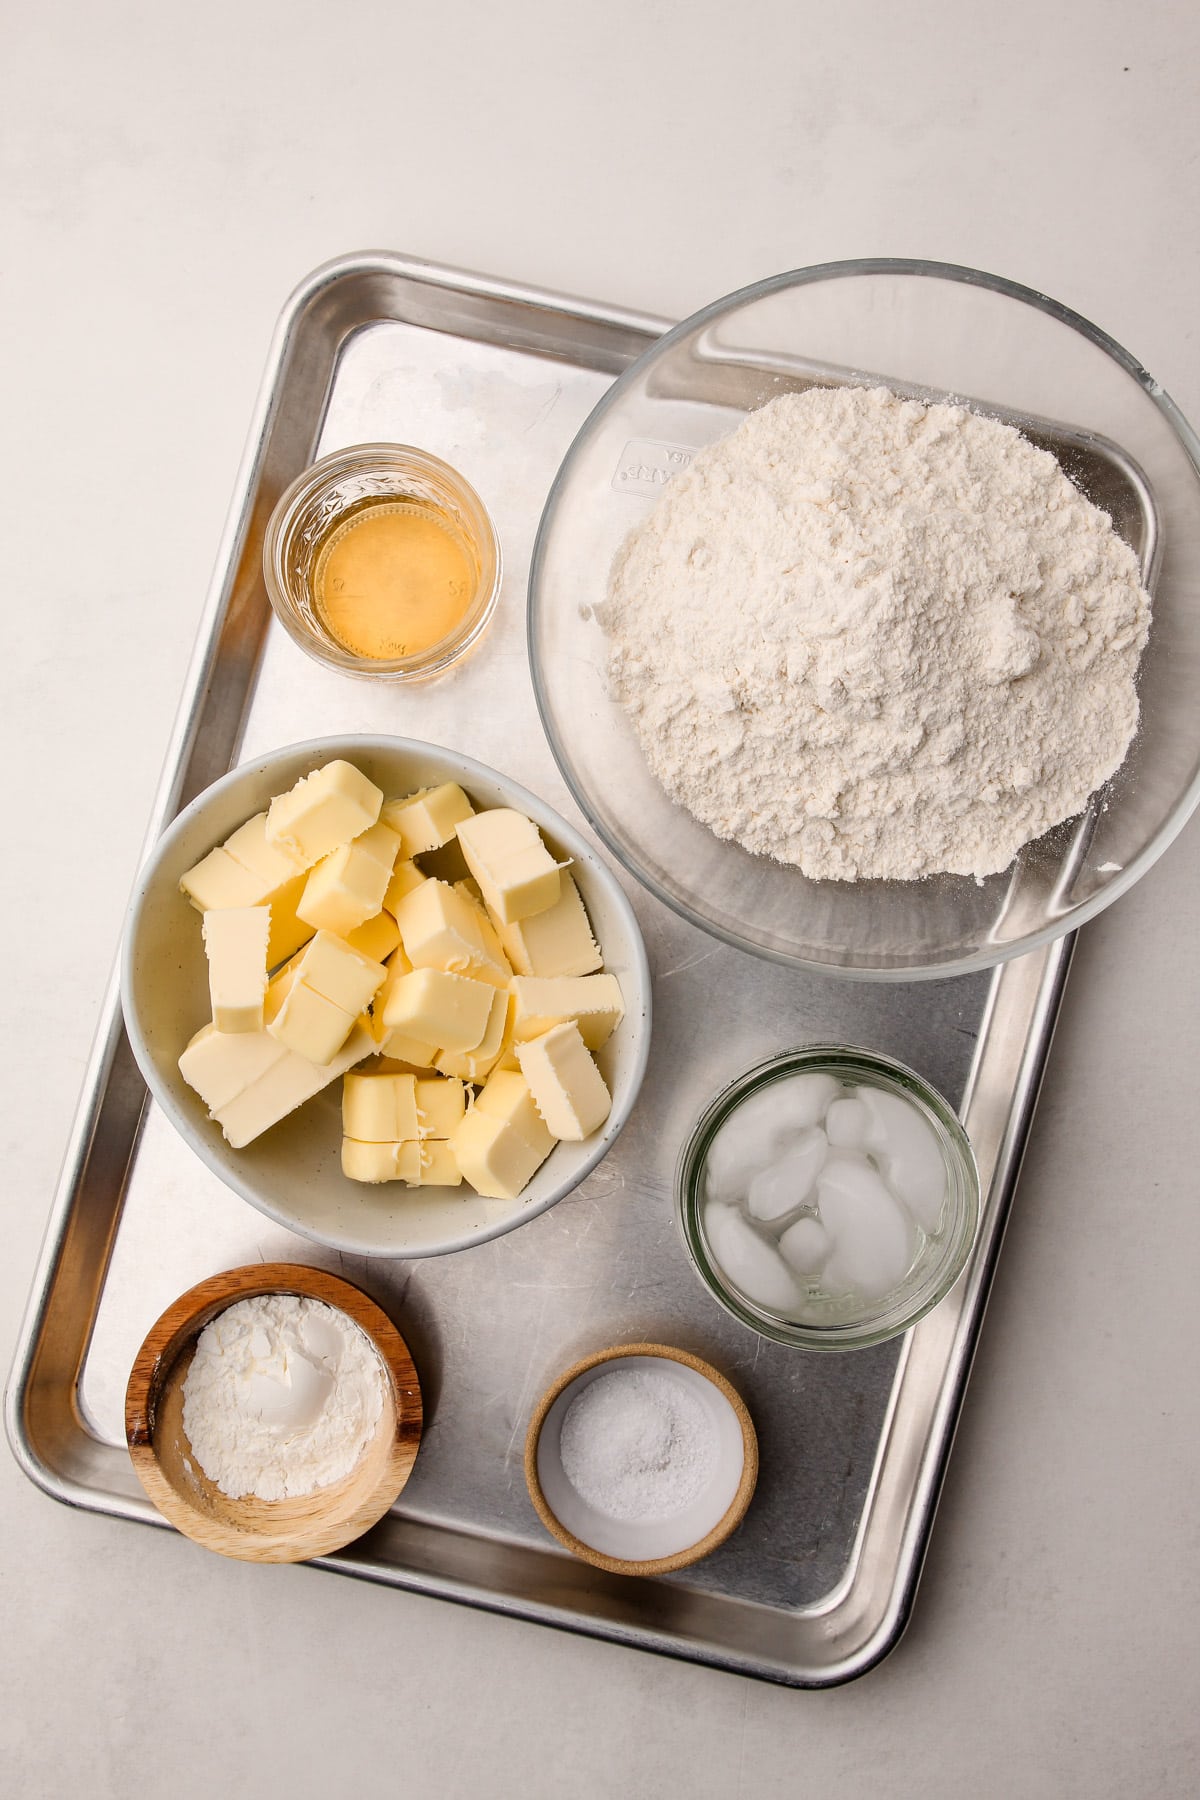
x=251, y=1529
x=636, y=1548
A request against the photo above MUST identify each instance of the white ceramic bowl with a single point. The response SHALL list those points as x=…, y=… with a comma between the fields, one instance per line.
x=293, y=1172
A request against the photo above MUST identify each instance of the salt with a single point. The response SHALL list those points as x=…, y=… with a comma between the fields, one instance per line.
x=638, y=1444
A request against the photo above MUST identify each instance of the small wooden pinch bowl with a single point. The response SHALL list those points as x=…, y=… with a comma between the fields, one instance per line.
x=254, y=1530
x=650, y=1547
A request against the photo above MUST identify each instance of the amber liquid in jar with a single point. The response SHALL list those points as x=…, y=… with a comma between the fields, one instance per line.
x=393, y=579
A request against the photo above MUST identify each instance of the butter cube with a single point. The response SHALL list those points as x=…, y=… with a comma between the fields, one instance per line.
x=375, y=938
x=392, y=1041
x=348, y=886
x=247, y=871
x=516, y=874
x=442, y=929
x=332, y=968
x=567, y=1087
x=405, y=877
x=381, y=1162
x=249, y=1081
x=324, y=990
x=272, y=863
x=218, y=881
x=558, y=941
x=439, y=1165
x=474, y=1065
x=398, y=1047
x=426, y=820
x=441, y=1105
x=325, y=809
x=379, y=1109
x=310, y=1025
x=506, y=1096
x=436, y=1007
x=235, y=942
x=494, y=1157
x=220, y=1065
x=593, y=1001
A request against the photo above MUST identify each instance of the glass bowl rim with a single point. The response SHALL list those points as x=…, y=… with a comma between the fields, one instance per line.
x=362, y=457
x=885, y=1323
x=988, y=958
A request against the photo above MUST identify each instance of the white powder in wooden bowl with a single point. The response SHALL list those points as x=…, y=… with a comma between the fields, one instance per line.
x=638, y=1444
x=282, y=1396
x=871, y=637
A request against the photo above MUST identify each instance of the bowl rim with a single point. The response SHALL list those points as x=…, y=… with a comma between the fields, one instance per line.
x=988, y=958
x=725, y=1526
x=254, y=1538
x=815, y=1058
x=210, y=1149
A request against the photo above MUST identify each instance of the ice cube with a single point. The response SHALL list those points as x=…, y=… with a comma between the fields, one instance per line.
x=847, y=1123
x=787, y=1183
x=872, y=1235
x=806, y=1244
x=749, y=1263
x=909, y=1154
x=799, y=1101
x=741, y=1149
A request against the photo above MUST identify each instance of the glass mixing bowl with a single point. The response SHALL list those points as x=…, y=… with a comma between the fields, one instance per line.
x=928, y=331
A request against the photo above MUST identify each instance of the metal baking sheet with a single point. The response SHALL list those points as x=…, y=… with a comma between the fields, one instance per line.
x=818, y=1583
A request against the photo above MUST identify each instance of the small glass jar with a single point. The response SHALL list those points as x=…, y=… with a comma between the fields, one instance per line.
x=327, y=497
x=824, y=1320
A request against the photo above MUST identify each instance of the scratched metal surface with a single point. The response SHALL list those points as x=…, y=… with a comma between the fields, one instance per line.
x=818, y=1581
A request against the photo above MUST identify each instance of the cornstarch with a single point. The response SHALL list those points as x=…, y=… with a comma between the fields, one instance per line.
x=282, y=1396
x=638, y=1444
x=875, y=638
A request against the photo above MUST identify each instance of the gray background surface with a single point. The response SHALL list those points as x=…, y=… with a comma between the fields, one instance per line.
x=165, y=178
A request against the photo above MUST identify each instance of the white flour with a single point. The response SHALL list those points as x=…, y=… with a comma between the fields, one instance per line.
x=876, y=638
x=282, y=1396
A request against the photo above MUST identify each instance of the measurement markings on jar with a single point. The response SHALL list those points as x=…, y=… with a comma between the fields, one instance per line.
x=645, y=467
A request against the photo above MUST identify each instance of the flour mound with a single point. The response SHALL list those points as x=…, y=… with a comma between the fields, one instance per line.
x=875, y=638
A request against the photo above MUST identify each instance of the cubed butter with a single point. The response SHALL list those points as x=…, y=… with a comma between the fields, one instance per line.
x=235, y=943
x=398, y=1047
x=272, y=863
x=556, y=942
x=476, y=1064
x=443, y=929
x=504, y=852
x=441, y=1104
x=439, y=1165
x=405, y=877
x=248, y=871
x=218, y=881
x=436, y=1007
x=506, y=1096
x=249, y=1080
x=310, y=1025
x=347, y=887
x=375, y=938
x=593, y=1001
x=379, y=1108
x=333, y=968
x=323, y=810
x=567, y=1087
x=494, y=1157
x=427, y=819
x=220, y=1065
x=381, y=1162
